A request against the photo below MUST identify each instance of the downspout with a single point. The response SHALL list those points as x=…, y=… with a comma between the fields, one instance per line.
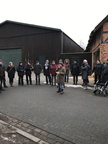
x=61, y=42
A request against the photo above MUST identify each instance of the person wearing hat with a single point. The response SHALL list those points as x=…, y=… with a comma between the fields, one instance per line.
x=37, y=71
x=60, y=77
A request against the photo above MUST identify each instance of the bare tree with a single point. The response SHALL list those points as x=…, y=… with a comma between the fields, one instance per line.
x=81, y=43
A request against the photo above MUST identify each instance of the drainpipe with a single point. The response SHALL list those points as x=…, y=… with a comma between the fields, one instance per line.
x=61, y=42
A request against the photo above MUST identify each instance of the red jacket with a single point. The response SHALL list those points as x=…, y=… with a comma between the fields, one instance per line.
x=53, y=69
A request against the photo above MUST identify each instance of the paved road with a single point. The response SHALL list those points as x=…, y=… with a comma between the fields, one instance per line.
x=77, y=115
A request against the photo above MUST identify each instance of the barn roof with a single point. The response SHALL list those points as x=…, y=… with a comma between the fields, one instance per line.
x=30, y=25
x=92, y=34
x=38, y=26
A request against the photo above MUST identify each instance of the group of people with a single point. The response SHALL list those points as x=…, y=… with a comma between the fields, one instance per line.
x=54, y=73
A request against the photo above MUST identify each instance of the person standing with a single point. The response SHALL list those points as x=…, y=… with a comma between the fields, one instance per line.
x=60, y=77
x=46, y=70
x=97, y=71
x=37, y=71
x=105, y=73
x=11, y=73
x=75, y=70
x=53, y=68
x=4, y=76
x=1, y=76
x=28, y=70
x=67, y=66
x=20, y=70
x=85, y=68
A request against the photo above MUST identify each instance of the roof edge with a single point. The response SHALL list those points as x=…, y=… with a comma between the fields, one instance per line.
x=26, y=24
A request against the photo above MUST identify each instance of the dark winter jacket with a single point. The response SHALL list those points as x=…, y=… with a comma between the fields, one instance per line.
x=46, y=70
x=105, y=74
x=37, y=69
x=11, y=71
x=98, y=69
x=1, y=71
x=20, y=70
x=75, y=69
x=28, y=70
x=85, y=68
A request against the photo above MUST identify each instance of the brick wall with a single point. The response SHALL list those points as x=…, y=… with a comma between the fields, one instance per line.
x=103, y=52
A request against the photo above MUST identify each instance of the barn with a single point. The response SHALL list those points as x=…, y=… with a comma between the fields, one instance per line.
x=28, y=42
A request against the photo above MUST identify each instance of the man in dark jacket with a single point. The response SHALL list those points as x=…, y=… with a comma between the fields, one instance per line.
x=20, y=70
x=97, y=71
x=28, y=70
x=105, y=72
x=37, y=71
x=75, y=70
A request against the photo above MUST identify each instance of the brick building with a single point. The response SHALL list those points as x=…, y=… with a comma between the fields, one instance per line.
x=98, y=42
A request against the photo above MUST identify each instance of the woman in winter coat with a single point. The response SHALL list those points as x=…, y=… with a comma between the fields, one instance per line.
x=53, y=68
x=85, y=68
x=61, y=71
x=46, y=70
x=67, y=66
x=11, y=73
x=97, y=71
x=28, y=70
x=37, y=71
x=75, y=70
x=20, y=70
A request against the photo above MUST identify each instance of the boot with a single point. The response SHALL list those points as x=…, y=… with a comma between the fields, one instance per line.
x=58, y=90
x=61, y=92
x=10, y=84
x=85, y=87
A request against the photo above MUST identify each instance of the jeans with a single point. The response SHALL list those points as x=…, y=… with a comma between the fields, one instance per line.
x=37, y=78
x=61, y=86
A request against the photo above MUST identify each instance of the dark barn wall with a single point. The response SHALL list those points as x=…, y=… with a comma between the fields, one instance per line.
x=70, y=46
x=79, y=57
x=46, y=46
x=35, y=42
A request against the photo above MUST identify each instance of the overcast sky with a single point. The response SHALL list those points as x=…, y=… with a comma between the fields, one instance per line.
x=76, y=18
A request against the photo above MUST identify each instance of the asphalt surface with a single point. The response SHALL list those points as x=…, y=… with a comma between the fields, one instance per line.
x=77, y=116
